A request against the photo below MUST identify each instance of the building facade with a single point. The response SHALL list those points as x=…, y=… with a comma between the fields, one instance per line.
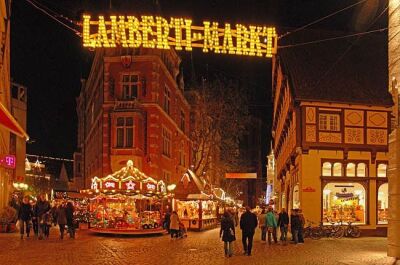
x=330, y=128
x=132, y=107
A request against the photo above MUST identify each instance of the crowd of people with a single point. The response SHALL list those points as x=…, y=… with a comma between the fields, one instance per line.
x=39, y=215
x=268, y=221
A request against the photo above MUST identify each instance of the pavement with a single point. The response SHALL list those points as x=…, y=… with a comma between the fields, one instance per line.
x=199, y=248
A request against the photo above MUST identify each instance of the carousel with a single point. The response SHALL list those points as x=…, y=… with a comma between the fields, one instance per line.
x=127, y=202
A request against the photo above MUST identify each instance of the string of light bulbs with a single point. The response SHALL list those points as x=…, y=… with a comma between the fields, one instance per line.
x=51, y=158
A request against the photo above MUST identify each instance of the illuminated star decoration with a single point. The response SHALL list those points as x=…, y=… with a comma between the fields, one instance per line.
x=130, y=185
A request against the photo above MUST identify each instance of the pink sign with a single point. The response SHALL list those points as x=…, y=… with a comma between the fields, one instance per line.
x=8, y=161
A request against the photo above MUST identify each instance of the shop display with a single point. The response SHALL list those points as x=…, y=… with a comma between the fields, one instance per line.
x=127, y=201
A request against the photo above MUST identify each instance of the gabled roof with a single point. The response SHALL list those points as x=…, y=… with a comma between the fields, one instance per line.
x=348, y=70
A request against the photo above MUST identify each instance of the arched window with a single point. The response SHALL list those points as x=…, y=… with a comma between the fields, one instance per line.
x=351, y=170
x=383, y=202
x=382, y=171
x=337, y=169
x=326, y=169
x=296, y=197
x=361, y=170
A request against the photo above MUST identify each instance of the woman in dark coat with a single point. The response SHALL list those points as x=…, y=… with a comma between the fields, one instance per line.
x=70, y=219
x=228, y=233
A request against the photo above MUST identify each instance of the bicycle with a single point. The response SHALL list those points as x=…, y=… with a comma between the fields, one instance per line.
x=334, y=231
x=311, y=231
x=351, y=230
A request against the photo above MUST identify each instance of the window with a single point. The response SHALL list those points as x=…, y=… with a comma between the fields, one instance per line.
x=382, y=171
x=383, y=204
x=182, y=156
x=361, y=170
x=167, y=100
x=344, y=201
x=337, y=169
x=166, y=135
x=296, y=197
x=124, y=132
x=327, y=169
x=167, y=176
x=182, y=121
x=351, y=170
x=329, y=122
x=130, y=86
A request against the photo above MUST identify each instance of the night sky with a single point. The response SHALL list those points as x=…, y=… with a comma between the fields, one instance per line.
x=50, y=61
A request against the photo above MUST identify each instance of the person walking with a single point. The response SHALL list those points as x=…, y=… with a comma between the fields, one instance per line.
x=270, y=222
x=61, y=219
x=261, y=224
x=167, y=221
x=42, y=207
x=25, y=214
x=174, y=225
x=227, y=232
x=295, y=224
x=283, y=223
x=248, y=223
x=69, y=211
x=302, y=223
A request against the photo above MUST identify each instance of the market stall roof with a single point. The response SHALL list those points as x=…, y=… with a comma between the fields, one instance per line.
x=189, y=184
x=200, y=196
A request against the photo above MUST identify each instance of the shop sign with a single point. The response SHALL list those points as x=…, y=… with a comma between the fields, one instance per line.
x=8, y=161
x=156, y=32
x=309, y=189
x=241, y=175
x=111, y=185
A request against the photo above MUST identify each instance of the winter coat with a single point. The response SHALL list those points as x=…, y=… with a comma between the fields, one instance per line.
x=174, y=223
x=41, y=208
x=248, y=223
x=227, y=229
x=283, y=219
x=295, y=222
x=61, y=215
x=69, y=211
x=261, y=219
x=25, y=212
x=270, y=220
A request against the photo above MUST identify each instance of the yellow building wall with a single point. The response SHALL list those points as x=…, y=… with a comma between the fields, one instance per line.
x=311, y=188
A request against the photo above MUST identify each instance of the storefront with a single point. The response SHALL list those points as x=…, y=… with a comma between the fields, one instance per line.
x=127, y=202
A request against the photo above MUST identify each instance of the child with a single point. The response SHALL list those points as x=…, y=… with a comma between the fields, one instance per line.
x=182, y=230
x=46, y=224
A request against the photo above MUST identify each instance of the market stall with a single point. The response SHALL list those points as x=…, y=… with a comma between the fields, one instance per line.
x=196, y=205
x=127, y=202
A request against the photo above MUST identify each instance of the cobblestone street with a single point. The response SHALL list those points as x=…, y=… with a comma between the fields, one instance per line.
x=198, y=248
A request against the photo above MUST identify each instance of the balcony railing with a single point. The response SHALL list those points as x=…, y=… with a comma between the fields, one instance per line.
x=126, y=104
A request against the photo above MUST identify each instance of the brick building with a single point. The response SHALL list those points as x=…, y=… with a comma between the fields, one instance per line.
x=132, y=107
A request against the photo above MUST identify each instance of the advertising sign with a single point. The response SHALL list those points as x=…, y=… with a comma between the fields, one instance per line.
x=240, y=175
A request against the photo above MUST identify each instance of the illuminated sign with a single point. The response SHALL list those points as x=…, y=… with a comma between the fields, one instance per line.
x=241, y=175
x=109, y=185
x=130, y=185
x=151, y=186
x=8, y=161
x=159, y=33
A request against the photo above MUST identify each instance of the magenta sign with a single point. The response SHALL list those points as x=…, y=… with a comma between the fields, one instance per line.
x=8, y=161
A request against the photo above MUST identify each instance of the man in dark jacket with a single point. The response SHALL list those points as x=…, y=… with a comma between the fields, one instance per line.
x=248, y=224
x=24, y=216
x=283, y=223
x=42, y=207
x=295, y=223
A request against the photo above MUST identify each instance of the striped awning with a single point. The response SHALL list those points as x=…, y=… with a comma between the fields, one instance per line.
x=8, y=121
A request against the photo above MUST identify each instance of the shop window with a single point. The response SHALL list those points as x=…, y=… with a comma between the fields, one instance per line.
x=130, y=86
x=326, y=169
x=382, y=171
x=351, y=170
x=296, y=197
x=361, y=170
x=329, y=122
x=337, y=169
x=383, y=204
x=124, y=132
x=344, y=201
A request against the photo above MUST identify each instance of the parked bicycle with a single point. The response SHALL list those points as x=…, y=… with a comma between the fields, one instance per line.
x=332, y=230
x=351, y=230
x=311, y=231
